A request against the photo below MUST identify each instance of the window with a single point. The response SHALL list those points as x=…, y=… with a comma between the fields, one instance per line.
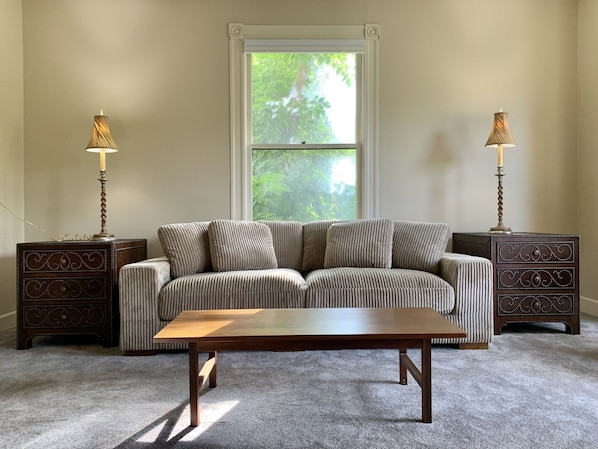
x=303, y=115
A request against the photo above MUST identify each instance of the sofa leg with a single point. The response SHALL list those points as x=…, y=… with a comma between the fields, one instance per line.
x=140, y=353
x=473, y=345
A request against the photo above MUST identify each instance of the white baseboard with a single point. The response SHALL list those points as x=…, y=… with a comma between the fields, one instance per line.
x=588, y=305
x=8, y=321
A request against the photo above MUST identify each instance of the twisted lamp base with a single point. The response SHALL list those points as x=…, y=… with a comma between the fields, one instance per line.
x=103, y=234
x=500, y=228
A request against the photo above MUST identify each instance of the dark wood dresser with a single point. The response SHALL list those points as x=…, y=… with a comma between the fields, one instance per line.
x=71, y=287
x=536, y=276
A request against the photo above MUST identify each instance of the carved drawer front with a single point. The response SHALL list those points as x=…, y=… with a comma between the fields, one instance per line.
x=536, y=252
x=69, y=260
x=65, y=316
x=536, y=278
x=546, y=304
x=79, y=288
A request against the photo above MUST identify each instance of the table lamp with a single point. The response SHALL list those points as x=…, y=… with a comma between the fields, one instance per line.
x=500, y=137
x=102, y=142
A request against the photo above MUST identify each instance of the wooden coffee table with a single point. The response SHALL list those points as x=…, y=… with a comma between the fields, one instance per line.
x=309, y=329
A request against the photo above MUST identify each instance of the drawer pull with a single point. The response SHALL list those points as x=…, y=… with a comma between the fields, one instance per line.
x=536, y=252
x=64, y=317
x=63, y=261
x=63, y=289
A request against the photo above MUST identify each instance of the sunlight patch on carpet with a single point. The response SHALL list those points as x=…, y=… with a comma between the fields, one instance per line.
x=210, y=414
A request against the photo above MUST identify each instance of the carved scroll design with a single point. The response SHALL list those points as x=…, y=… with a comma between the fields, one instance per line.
x=65, y=316
x=53, y=261
x=535, y=304
x=536, y=278
x=76, y=288
x=532, y=252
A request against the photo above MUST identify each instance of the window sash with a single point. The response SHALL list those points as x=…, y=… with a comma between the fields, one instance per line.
x=367, y=109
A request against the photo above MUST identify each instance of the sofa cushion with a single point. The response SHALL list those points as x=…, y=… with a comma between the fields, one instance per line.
x=419, y=246
x=373, y=287
x=361, y=243
x=314, y=243
x=241, y=245
x=288, y=242
x=186, y=246
x=251, y=289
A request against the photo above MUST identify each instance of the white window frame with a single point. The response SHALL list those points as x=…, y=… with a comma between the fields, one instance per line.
x=367, y=115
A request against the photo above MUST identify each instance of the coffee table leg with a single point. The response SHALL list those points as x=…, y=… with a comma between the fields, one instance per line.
x=423, y=376
x=194, y=384
x=402, y=367
x=426, y=381
x=198, y=378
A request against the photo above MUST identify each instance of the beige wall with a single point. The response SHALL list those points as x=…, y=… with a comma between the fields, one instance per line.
x=159, y=69
x=11, y=153
x=587, y=185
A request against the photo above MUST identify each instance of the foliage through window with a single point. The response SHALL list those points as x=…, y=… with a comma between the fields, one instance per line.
x=303, y=107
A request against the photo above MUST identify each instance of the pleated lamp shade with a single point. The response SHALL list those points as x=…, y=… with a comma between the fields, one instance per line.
x=101, y=139
x=500, y=134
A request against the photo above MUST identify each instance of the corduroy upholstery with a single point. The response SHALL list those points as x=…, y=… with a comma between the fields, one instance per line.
x=375, y=287
x=361, y=243
x=247, y=289
x=422, y=274
x=187, y=247
x=241, y=245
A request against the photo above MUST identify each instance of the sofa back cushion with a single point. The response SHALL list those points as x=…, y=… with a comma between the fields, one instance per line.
x=419, y=246
x=241, y=245
x=360, y=243
x=314, y=243
x=288, y=243
x=187, y=247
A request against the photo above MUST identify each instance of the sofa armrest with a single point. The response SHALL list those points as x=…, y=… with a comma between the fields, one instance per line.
x=471, y=277
x=139, y=288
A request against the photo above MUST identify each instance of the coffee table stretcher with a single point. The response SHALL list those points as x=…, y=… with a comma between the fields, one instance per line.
x=189, y=322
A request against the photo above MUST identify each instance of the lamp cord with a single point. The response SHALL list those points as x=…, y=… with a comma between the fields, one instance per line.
x=60, y=239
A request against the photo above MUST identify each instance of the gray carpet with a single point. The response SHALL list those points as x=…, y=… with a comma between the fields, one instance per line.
x=536, y=387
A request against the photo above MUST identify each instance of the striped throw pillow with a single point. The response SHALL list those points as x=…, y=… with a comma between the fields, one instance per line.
x=361, y=243
x=187, y=248
x=241, y=245
x=419, y=246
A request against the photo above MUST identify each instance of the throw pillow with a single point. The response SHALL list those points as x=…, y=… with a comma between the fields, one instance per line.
x=186, y=246
x=361, y=243
x=419, y=246
x=241, y=245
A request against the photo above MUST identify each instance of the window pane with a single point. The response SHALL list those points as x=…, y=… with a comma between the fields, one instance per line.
x=303, y=97
x=304, y=185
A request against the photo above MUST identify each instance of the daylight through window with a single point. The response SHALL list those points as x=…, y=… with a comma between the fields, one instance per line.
x=303, y=148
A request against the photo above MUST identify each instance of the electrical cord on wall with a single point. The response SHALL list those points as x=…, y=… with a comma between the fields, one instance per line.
x=62, y=237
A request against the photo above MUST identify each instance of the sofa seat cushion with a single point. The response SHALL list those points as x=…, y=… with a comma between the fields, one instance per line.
x=378, y=287
x=248, y=289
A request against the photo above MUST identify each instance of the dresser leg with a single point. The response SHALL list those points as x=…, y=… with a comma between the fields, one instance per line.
x=24, y=343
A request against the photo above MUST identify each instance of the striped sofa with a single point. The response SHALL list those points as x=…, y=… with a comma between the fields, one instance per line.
x=226, y=264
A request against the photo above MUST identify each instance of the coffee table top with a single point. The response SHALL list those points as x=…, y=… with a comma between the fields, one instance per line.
x=307, y=324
